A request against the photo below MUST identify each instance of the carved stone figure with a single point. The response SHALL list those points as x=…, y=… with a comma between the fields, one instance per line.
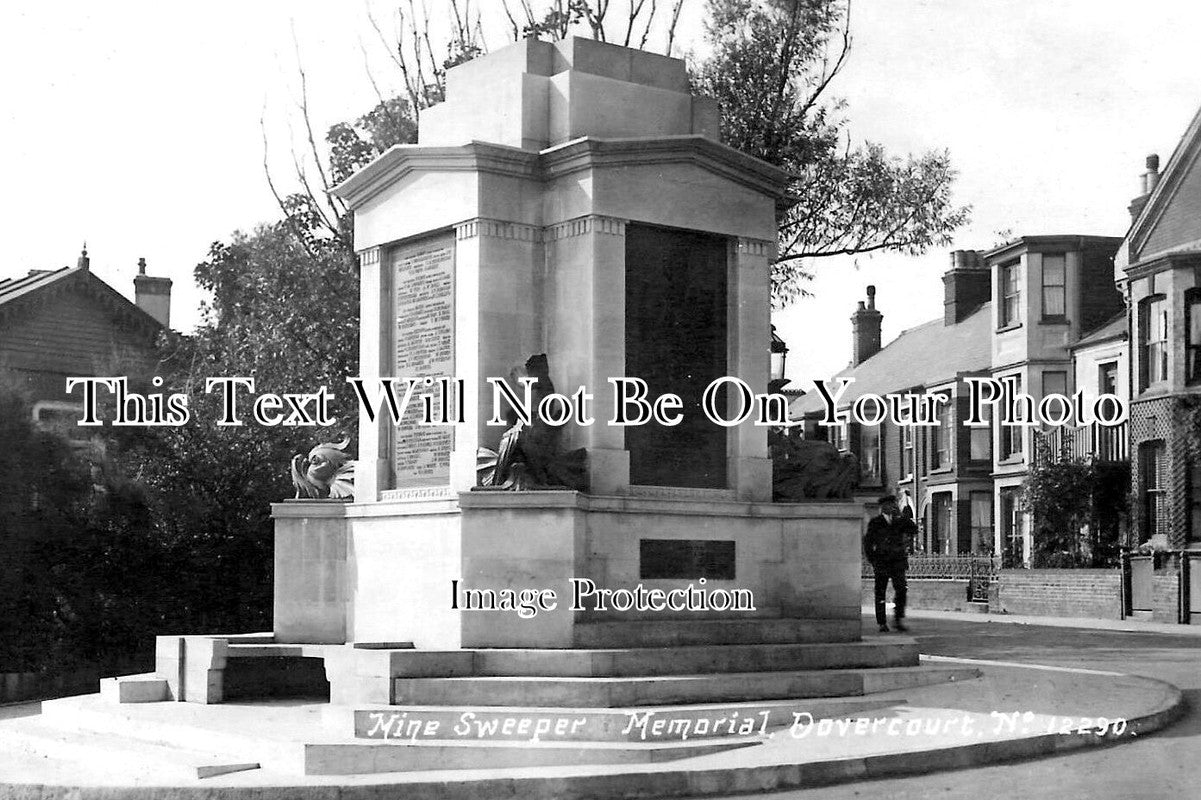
x=530, y=456
x=327, y=472
x=810, y=470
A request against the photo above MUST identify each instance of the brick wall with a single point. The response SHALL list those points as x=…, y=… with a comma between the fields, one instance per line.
x=1165, y=592
x=1061, y=592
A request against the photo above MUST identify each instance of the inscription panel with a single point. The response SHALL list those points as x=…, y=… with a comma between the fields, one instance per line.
x=423, y=281
x=688, y=559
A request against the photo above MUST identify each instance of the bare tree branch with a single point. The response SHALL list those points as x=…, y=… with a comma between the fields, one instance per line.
x=671, y=29
x=275, y=193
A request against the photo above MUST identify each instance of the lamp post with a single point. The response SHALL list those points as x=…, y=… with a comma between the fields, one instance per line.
x=779, y=358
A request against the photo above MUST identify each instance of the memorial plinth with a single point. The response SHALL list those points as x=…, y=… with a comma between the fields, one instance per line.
x=571, y=199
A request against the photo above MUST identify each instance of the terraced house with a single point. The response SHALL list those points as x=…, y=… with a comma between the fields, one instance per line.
x=1022, y=313
x=67, y=322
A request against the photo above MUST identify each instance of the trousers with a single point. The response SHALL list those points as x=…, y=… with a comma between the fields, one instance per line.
x=884, y=574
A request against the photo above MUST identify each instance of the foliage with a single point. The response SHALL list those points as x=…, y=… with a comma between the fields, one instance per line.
x=1076, y=505
x=290, y=322
x=83, y=579
x=772, y=64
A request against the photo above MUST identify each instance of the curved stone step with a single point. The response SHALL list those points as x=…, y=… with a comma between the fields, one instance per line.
x=645, y=723
x=754, y=630
x=649, y=661
x=364, y=757
x=638, y=661
x=572, y=692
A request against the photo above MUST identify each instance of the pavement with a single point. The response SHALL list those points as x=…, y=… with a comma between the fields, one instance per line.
x=1162, y=765
x=1082, y=673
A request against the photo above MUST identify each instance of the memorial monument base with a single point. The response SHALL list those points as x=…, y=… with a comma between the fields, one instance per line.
x=455, y=572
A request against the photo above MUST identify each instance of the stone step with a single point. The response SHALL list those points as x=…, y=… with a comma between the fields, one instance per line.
x=755, y=630
x=649, y=661
x=574, y=692
x=498, y=662
x=358, y=758
x=638, y=661
x=646, y=724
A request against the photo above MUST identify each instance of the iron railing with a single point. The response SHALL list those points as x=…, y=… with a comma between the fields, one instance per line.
x=1095, y=442
x=980, y=572
x=947, y=567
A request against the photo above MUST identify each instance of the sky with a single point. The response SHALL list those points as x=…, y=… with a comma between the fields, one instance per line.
x=139, y=127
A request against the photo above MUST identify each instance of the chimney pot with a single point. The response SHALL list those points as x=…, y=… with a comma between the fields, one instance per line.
x=1153, y=162
x=865, y=329
x=153, y=294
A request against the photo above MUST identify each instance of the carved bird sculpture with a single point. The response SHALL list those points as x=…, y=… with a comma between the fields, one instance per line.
x=327, y=472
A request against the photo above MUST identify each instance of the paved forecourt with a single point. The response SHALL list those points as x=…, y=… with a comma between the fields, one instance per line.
x=977, y=713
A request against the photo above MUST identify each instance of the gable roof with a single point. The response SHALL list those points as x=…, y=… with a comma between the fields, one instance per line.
x=16, y=293
x=927, y=355
x=1164, y=225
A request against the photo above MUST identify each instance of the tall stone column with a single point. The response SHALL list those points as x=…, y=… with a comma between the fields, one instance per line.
x=585, y=334
x=498, y=298
x=375, y=345
x=749, y=296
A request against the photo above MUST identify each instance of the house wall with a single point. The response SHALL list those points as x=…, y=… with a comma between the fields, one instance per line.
x=70, y=334
x=1154, y=409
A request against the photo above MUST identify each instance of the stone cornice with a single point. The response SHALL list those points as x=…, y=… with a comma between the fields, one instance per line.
x=497, y=229
x=582, y=225
x=591, y=153
x=757, y=247
x=402, y=159
x=369, y=256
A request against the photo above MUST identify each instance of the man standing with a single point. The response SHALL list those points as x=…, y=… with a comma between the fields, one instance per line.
x=887, y=548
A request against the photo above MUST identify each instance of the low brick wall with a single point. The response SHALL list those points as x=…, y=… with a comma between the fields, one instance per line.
x=1165, y=592
x=1092, y=593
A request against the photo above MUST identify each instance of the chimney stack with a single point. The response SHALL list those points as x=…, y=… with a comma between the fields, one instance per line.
x=153, y=295
x=966, y=286
x=1147, y=183
x=865, y=329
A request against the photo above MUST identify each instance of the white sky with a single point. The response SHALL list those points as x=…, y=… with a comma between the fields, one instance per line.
x=135, y=126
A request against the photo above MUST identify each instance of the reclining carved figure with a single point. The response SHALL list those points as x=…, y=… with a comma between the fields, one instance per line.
x=530, y=456
x=810, y=470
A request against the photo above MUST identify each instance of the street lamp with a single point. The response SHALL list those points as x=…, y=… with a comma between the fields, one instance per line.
x=779, y=358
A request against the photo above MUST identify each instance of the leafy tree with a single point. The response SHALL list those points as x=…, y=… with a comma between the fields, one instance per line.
x=288, y=320
x=82, y=573
x=771, y=69
x=1077, y=505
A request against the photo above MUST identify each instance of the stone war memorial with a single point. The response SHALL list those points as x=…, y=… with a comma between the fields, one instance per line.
x=520, y=609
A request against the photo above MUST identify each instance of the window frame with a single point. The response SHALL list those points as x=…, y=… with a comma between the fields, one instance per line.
x=1012, y=526
x=942, y=524
x=1192, y=335
x=1148, y=348
x=1153, y=499
x=1012, y=437
x=1009, y=277
x=942, y=439
x=1062, y=372
x=981, y=530
x=876, y=477
x=1102, y=371
x=1062, y=260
